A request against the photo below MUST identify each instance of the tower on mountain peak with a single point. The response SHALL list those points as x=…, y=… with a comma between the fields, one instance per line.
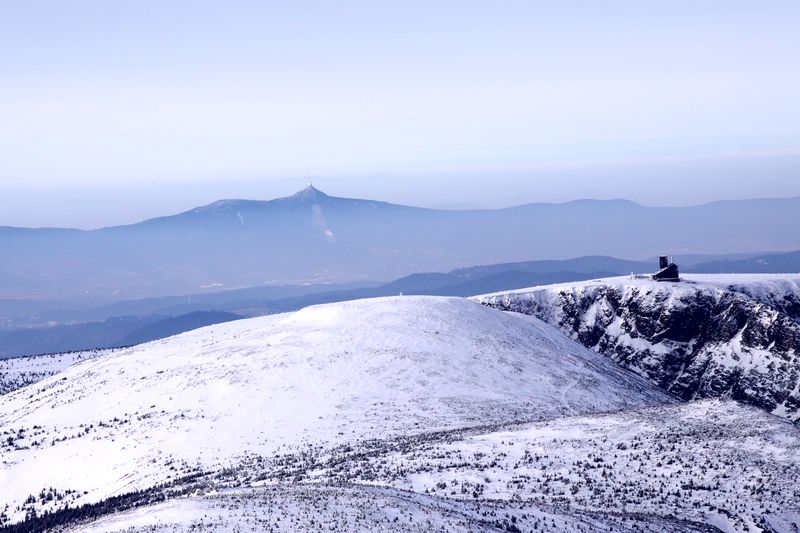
x=310, y=193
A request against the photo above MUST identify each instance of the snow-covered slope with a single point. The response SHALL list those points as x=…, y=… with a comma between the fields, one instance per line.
x=317, y=507
x=324, y=376
x=730, y=336
x=18, y=372
x=703, y=466
x=718, y=463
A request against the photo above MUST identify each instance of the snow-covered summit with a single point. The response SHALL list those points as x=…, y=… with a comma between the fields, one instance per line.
x=328, y=374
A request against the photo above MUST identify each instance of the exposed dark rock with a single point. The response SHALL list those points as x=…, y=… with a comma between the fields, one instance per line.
x=697, y=340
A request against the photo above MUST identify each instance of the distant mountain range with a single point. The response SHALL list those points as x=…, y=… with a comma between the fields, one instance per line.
x=111, y=333
x=131, y=322
x=313, y=237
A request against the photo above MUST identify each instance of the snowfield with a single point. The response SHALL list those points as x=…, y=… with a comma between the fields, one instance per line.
x=326, y=375
x=712, y=462
x=716, y=465
x=315, y=507
x=394, y=414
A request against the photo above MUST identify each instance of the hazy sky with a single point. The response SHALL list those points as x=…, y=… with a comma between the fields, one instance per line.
x=111, y=111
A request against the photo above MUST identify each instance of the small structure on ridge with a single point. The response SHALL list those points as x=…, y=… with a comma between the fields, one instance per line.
x=667, y=270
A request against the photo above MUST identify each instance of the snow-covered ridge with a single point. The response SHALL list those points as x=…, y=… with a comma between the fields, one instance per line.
x=731, y=336
x=759, y=285
x=326, y=375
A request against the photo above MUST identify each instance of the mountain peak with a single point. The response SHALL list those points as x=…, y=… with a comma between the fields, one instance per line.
x=309, y=194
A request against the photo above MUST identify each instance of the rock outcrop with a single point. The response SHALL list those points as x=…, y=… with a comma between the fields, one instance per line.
x=710, y=336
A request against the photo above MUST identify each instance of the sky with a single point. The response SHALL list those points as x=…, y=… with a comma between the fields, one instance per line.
x=115, y=111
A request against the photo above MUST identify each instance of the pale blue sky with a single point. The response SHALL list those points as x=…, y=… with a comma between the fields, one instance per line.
x=111, y=111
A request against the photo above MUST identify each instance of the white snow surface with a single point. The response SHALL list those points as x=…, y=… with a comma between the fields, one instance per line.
x=312, y=507
x=677, y=467
x=711, y=462
x=325, y=375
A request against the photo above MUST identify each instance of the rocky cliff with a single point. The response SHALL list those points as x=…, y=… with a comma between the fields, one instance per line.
x=708, y=336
